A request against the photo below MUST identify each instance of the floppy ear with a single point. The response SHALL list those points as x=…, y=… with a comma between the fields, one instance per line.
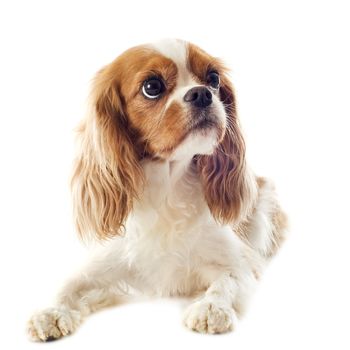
x=107, y=174
x=229, y=187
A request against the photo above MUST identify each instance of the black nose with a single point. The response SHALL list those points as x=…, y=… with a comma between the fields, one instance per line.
x=199, y=96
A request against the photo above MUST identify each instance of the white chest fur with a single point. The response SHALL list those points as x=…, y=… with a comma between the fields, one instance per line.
x=172, y=237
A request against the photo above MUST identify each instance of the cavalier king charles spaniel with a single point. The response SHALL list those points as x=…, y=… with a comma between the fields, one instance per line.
x=161, y=176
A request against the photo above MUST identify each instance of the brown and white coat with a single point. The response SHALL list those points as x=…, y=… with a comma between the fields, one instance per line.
x=167, y=183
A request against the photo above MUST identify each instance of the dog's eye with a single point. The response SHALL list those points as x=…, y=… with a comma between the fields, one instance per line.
x=213, y=79
x=153, y=87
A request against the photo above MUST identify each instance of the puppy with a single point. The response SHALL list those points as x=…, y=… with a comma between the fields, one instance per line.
x=161, y=174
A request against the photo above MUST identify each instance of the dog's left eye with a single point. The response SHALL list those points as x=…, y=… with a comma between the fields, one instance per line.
x=213, y=79
x=153, y=87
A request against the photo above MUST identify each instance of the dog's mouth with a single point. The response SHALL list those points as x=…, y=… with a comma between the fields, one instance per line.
x=207, y=123
x=204, y=121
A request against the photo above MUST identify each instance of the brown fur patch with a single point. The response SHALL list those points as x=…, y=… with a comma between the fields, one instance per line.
x=108, y=175
x=169, y=134
x=200, y=63
x=228, y=187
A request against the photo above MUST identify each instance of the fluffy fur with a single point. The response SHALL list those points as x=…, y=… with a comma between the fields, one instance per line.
x=168, y=185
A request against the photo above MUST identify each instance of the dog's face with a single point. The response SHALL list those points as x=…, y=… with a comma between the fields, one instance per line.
x=163, y=102
x=170, y=93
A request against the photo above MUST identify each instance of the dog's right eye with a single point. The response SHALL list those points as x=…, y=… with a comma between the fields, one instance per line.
x=153, y=87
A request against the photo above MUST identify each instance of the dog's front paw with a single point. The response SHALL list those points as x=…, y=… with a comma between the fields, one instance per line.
x=53, y=323
x=210, y=317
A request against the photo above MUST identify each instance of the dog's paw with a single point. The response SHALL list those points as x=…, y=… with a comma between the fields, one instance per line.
x=210, y=317
x=53, y=323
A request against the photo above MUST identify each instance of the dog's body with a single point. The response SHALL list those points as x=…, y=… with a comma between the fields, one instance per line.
x=200, y=225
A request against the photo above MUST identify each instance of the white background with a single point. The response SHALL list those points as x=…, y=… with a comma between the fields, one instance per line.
x=290, y=65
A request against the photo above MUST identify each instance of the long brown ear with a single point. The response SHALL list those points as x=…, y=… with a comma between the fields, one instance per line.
x=229, y=188
x=107, y=174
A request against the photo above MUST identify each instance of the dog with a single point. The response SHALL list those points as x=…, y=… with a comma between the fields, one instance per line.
x=161, y=177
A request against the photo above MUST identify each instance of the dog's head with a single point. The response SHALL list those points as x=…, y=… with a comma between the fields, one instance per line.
x=166, y=101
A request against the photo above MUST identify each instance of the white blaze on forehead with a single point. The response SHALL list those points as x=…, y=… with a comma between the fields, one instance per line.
x=176, y=50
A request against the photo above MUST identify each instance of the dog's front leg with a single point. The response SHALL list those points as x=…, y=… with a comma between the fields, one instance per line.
x=214, y=312
x=100, y=284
